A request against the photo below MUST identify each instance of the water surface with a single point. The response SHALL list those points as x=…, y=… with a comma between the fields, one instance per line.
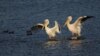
x=17, y=16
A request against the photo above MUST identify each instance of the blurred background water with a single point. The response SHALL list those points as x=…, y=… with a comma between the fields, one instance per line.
x=18, y=16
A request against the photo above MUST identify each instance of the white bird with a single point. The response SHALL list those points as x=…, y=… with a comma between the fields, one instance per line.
x=51, y=32
x=75, y=28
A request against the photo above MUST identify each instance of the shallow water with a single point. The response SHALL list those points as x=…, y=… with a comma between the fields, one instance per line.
x=18, y=16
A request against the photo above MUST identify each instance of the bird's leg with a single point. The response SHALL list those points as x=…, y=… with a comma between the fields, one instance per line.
x=74, y=36
x=79, y=34
x=52, y=38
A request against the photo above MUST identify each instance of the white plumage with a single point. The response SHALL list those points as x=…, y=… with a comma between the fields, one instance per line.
x=51, y=32
x=75, y=28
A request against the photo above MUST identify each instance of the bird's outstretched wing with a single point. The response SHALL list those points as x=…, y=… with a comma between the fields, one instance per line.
x=82, y=19
x=56, y=27
x=59, y=27
x=35, y=28
x=85, y=18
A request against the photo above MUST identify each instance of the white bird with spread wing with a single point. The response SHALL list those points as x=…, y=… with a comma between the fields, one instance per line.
x=75, y=28
x=51, y=32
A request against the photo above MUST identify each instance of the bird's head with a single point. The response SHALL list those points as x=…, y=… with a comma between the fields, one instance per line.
x=69, y=19
x=46, y=21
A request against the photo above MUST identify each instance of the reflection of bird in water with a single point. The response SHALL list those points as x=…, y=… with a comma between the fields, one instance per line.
x=51, y=32
x=75, y=44
x=75, y=28
x=51, y=44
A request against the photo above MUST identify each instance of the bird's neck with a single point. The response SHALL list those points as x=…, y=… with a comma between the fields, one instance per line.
x=68, y=23
x=46, y=26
